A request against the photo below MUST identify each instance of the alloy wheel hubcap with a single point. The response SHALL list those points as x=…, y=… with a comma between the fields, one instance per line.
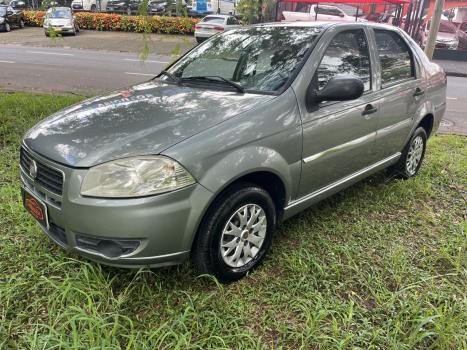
x=243, y=235
x=415, y=155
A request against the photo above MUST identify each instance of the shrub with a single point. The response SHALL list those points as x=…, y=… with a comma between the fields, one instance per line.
x=112, y=22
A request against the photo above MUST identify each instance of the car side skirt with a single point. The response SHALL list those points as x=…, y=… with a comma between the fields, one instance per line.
x=300, y=204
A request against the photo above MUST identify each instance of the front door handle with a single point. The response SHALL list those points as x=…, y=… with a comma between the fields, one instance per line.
x=418, y=92
x=369, y=109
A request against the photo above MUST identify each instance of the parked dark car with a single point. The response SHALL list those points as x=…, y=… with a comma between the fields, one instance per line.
x=123, y=6
x=463, y=27
x=167, y=7
x=9, y=17
x=19, y=5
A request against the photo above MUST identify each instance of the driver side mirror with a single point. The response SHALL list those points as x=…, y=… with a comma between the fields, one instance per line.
x=337, y=89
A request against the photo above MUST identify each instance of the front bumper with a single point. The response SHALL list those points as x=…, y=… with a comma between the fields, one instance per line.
x=452, y=45
x=155, y=230
x=60, y=29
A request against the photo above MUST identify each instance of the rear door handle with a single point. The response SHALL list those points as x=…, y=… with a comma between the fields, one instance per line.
x=369, y=109
x=418, y=92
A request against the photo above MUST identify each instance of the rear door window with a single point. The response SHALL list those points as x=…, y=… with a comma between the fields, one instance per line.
x=395, y=57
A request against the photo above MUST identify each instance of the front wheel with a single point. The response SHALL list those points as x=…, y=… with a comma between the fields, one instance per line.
x=199, y=40
x=412, y=156
x=7, y=27
x=21, y=23
x=236, y=233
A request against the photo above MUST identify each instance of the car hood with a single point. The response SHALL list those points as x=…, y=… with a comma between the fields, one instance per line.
x=145, y=119
x=444, y=37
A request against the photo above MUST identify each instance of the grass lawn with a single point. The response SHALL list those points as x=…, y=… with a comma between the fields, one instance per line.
x=381, y=265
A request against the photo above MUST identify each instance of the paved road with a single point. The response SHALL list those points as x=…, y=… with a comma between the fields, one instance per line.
x=73, y=70
x=90, y=72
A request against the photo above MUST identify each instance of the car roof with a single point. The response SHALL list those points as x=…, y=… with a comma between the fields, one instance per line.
x=222, y=16
x=326, y=24
x=59, y=8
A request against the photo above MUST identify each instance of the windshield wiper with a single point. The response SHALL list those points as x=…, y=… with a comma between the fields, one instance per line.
x=216, y=78
x=171, y=76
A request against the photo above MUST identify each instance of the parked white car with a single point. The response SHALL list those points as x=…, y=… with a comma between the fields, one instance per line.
x=214, y=24
x=61, y=20
x=325, y=13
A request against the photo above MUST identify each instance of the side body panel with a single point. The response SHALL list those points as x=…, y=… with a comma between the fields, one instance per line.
x=265, y=139
x=337, y=138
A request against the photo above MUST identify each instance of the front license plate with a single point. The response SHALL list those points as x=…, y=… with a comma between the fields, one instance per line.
x=35, y=207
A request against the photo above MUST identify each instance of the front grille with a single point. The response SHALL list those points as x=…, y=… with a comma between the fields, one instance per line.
x=46, y=177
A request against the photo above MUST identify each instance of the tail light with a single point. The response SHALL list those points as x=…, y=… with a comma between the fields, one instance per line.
x=219, y=28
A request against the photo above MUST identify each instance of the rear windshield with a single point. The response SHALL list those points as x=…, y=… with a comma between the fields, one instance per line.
x=257, y=59
x=214, y=19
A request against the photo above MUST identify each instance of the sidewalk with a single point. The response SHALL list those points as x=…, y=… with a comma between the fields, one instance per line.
x=159, y=44
x=453, y=68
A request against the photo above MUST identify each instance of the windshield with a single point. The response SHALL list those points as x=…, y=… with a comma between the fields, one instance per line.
x=259, y=59
x=59, y=13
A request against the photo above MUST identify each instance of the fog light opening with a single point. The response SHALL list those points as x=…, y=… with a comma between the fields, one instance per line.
x=110, y=248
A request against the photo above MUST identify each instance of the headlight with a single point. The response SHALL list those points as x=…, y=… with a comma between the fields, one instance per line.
x=135, y=177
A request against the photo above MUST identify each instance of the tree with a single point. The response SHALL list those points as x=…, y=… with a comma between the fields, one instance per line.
x=250, y=10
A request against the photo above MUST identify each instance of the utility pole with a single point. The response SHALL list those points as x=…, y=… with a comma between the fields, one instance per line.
x=434, y=27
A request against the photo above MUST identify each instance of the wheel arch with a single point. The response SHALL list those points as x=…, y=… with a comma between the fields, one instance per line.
x=427, y=123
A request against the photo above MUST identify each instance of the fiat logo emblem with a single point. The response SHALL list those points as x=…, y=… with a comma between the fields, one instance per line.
x=33, y=169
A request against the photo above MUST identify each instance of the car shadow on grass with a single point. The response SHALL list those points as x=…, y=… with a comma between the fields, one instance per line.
x=284, y=242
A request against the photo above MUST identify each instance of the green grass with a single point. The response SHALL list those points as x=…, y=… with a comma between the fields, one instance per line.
x=381, y=265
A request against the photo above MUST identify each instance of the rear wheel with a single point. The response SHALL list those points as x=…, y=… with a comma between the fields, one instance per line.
x=412, y=156
x=236, y=233
x=93, y=8
x=7, y=27
x=128, y=11
x=21, y=23
x=200, y=40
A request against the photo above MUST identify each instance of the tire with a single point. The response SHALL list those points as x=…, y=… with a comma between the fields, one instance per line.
x=199, y=40
x=93, y=8
x=21, y=23
x=7, y=27
x=245, y=242
x=412, y=156
x=128, y=11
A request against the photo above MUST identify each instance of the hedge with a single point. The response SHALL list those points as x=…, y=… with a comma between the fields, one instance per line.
x=139, y=24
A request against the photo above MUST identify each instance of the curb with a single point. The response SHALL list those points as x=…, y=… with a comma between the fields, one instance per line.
x=456, y=74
